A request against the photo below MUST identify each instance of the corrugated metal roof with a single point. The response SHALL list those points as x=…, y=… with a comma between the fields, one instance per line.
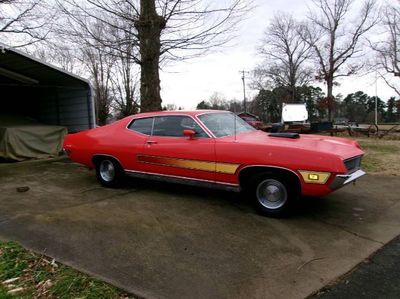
x=18, y=67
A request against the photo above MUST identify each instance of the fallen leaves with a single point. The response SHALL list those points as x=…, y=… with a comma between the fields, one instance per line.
x=34, y=279
x=25, y=274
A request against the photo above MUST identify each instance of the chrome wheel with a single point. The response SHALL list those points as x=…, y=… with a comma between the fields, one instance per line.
x=107, y=170
x=271, y=194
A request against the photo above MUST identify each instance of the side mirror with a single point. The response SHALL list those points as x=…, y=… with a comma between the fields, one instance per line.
x=189, y=133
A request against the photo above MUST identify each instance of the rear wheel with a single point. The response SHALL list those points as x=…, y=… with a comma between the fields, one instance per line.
x=273, y=195
x=109, y=172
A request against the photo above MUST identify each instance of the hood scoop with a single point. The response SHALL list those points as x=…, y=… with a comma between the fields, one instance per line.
x=285, y=135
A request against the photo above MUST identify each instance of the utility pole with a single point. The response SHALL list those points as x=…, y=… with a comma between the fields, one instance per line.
x=244, y=89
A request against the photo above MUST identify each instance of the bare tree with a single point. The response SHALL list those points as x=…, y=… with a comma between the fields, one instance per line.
x=335, y=40
x=100, y=68
x=60, y=55
x=126, y=91
x=162, y=30
x=218, y=101
x=285, y=54
x=23, y=22
x=112, y=69
x=388, y=49
x=75, y=47
x=170, y=107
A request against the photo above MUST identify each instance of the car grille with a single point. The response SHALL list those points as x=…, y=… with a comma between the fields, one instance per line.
x=353, y=164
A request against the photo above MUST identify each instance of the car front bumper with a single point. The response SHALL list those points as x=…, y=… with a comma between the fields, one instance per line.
x=344, y=179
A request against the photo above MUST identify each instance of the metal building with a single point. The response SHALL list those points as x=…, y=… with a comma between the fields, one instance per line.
x=48, y=94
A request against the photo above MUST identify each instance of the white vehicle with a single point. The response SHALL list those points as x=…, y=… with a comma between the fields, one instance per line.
x=294, y=113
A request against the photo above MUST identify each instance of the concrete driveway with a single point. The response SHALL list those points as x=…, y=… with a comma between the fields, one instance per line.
x=168, y=241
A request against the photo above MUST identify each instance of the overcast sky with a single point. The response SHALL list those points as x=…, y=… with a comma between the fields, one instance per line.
x=187, y=83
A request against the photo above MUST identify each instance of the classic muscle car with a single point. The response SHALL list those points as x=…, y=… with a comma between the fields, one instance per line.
x=218, y=149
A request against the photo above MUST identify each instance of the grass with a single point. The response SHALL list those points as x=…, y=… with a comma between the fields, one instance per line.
x=24, y=274
x=382, y=157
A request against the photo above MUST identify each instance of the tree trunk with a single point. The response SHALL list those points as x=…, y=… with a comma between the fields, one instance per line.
x=149, y=27
x=292, y=82
x=330, y=100
x=293, y=93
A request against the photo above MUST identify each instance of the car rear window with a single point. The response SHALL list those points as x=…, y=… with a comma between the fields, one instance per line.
x=142, y=125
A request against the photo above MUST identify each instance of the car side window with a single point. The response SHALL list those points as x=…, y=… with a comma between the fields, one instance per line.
x=173, y=126
x=142, y=125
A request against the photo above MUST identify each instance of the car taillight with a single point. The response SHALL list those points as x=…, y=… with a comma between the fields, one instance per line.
x=67, y=151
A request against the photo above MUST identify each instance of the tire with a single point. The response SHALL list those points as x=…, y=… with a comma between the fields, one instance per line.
x=273, y=195
x=109, y=172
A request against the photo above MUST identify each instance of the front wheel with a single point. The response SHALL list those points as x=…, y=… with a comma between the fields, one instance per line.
x=273, y=195
x=109, y=172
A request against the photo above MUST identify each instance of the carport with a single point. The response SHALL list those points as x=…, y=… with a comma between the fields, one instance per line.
x=39, y=103
x=43, y=92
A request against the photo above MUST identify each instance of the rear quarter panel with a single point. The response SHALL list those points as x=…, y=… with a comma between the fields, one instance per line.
x=112, y=140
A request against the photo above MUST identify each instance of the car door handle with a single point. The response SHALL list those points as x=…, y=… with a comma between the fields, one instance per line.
x=151, y=142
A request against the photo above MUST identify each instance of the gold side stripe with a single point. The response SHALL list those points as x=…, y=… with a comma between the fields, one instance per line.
x=226, y=168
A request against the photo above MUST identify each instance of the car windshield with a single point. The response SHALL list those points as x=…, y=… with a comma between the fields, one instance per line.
x=223, y=124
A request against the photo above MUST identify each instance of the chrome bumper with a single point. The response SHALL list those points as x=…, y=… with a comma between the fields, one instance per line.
x=344, y=179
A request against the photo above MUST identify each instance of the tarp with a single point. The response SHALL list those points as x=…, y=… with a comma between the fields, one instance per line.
x=22, y=138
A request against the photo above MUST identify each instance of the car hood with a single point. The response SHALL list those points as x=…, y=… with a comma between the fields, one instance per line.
x=342, y=147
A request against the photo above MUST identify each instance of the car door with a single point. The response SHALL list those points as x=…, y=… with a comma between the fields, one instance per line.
x=133, y=142
x=168, y=152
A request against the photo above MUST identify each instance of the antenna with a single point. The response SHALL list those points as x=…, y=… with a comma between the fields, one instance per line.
x=234, y=123
x=234, y=118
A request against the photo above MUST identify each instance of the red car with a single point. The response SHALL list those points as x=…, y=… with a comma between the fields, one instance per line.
x=218, y=149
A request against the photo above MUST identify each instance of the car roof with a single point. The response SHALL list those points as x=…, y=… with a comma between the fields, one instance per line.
x=177, y=112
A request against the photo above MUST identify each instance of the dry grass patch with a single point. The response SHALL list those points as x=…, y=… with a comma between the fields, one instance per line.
x=382, y=157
